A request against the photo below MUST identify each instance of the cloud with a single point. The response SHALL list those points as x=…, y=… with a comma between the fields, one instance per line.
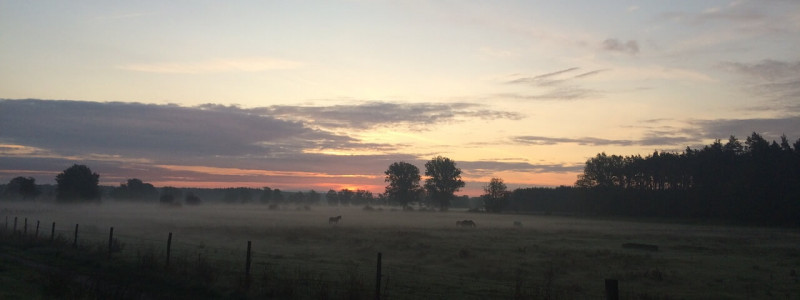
x=766, y=70
x=132, y=129
x=586, y=141
x=547, y=79
x=558, y=85
x=487, y=168
x=630, y=47
x=666, y=140
x=254, y=64
x=591, y=73
x=774, y=80
x=693, y=133
x=373, y=114
x=561, y=93
x=736, y=14
x=746, y=22
x=677, y=138
x=771, y=129
x=296, y=172
x=209, y=145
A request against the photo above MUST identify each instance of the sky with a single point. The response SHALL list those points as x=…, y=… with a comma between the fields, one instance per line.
x=322, y=95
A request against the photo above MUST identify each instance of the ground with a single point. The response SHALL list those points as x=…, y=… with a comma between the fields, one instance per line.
x=426, y=254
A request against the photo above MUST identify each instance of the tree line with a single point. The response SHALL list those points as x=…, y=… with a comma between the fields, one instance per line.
x=79, y=184
x=754, y=181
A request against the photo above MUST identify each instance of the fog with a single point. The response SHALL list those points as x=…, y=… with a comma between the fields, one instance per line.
x=147, y=218
x=425, y=253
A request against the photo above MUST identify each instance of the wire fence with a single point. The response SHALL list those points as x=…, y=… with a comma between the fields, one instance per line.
x=280, y=275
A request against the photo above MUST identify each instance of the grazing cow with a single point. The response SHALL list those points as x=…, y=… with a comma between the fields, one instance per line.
x=334, y=220
x=517, y=224
x=466, y=223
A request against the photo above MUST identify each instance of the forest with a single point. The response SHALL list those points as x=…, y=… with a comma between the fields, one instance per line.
x=755, y=182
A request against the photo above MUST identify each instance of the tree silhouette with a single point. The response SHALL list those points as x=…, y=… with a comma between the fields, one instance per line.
x=403, y=179
x=496, y=195
x=312, y=197
x=135, y=189
x=77, y=183
x=297, y=198
x=277, y=196
x=444, y=180
x=21, y=187
x=362, y=197
x=238, y=195
x=170, y=194
x=345, y=196
x=332, y=198
x=192, y=199
x=266, y=195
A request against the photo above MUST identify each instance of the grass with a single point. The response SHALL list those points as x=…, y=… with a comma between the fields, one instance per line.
x=297, y=254
x=18, y=281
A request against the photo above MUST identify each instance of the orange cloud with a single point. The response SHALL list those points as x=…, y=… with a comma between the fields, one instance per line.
x=251, y=172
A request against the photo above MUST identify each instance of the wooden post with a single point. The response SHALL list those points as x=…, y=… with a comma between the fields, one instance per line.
x=378, y=279
x=75, y=243
x=169, y=246
x=53, y=232
x=110, y=241
x=25, y=228
x=15, y=225
x=6, y=222
x=612, y=289
x=247, y=267
x=36, y=235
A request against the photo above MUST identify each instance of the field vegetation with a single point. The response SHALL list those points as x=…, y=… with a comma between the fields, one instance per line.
x=298, y=254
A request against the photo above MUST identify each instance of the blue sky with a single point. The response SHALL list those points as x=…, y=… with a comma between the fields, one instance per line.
x=523, y=90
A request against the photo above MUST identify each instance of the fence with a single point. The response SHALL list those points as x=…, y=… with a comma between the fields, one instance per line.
x=262, y=274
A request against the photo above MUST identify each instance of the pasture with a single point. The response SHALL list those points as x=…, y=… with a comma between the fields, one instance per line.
x=426, y=255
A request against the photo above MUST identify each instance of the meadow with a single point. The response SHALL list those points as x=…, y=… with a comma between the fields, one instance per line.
x=424, y=254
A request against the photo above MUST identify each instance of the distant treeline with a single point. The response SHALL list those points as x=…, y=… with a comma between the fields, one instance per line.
x=755, y=182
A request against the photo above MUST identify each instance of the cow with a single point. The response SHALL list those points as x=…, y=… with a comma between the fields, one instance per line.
x=334, y=220
x=466, y=223
x=517, y=223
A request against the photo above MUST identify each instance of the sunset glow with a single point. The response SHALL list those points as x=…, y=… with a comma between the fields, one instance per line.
x=327, y=94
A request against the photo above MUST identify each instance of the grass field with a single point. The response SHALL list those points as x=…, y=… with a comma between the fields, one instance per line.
x=426, y=255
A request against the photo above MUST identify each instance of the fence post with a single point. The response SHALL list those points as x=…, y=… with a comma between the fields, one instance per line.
x=247, y=267
x=53, y=232
x=110, y=241
x=36, y=235
x=25, y=228
x=378, y=279
x=169, y=246
x=75, y=243
x=6, y=222
x=15, y=225
x=612, y=289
